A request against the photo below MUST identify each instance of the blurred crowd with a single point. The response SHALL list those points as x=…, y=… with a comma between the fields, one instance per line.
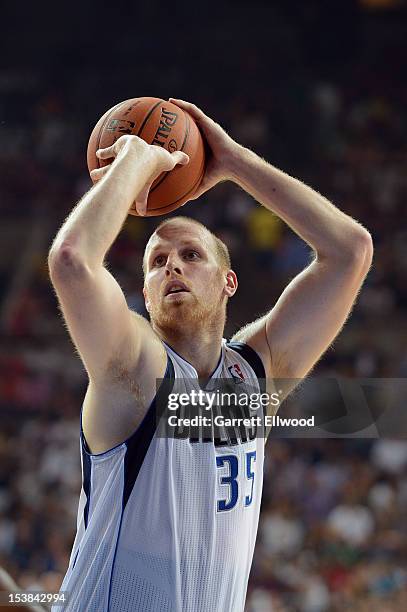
x=332, y=535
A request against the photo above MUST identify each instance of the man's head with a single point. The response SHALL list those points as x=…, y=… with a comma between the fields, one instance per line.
x=187, y=276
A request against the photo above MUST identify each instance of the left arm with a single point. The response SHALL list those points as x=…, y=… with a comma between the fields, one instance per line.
x=314, y=306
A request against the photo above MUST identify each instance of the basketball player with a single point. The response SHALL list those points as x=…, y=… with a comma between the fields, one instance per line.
x=168, y=524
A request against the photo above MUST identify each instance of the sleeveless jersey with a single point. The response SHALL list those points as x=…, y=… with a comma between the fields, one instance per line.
x=167, y=524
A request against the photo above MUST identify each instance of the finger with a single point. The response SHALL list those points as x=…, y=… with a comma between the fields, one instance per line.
x=105, y=153
x=98, y=173
x=141, y=202
x=192, y=109
x=141, y=207
x=180, y=158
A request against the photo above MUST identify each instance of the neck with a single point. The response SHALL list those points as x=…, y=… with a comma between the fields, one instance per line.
x=200, y=346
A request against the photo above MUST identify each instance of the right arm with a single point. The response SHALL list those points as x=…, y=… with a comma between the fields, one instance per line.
x=121, y=353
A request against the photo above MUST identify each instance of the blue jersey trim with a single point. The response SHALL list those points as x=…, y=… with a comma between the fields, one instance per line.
x=254, y=361
x=87, y=455
x=139, y=443
x=86, y=479
x=190, y=364
x=114, y=560
x=250, y=356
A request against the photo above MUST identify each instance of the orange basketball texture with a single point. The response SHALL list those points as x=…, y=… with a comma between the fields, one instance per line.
x=160, y=123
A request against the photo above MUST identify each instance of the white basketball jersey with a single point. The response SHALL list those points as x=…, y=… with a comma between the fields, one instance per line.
x=168, y=524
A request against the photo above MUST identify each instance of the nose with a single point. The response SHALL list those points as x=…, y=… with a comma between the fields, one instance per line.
x=173, y=264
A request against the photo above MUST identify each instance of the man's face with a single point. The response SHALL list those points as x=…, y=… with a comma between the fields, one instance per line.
x=184, y=283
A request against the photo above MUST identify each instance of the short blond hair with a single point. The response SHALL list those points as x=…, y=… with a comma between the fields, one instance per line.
x=221, y=250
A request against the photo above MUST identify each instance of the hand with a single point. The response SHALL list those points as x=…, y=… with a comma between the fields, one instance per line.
x=222, y=148
x=155, y=158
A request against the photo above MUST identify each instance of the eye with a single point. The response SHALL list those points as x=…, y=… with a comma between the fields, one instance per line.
x=159, y=261
x=190, y=255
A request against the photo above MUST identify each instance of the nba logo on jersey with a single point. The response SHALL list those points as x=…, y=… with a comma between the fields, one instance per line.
x=236, y=373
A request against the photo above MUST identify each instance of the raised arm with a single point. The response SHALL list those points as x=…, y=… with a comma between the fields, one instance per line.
x=116, y=346
x=313, y=308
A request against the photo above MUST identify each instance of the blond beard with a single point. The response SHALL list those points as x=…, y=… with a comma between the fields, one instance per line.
x=182, y=318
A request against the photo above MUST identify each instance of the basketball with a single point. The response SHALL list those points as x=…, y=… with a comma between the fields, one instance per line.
x=161, y=123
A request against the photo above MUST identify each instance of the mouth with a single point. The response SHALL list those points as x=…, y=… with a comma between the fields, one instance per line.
x=175, y=288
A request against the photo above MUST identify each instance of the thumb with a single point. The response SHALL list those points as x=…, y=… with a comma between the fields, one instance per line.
x=106, y=153
x=141, y=202
x=203, y=187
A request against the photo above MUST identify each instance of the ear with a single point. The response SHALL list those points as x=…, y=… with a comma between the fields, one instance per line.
x=231, y=283
x=147, y=303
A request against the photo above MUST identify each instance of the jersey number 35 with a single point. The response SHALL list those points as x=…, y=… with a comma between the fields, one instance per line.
x=231, y=462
